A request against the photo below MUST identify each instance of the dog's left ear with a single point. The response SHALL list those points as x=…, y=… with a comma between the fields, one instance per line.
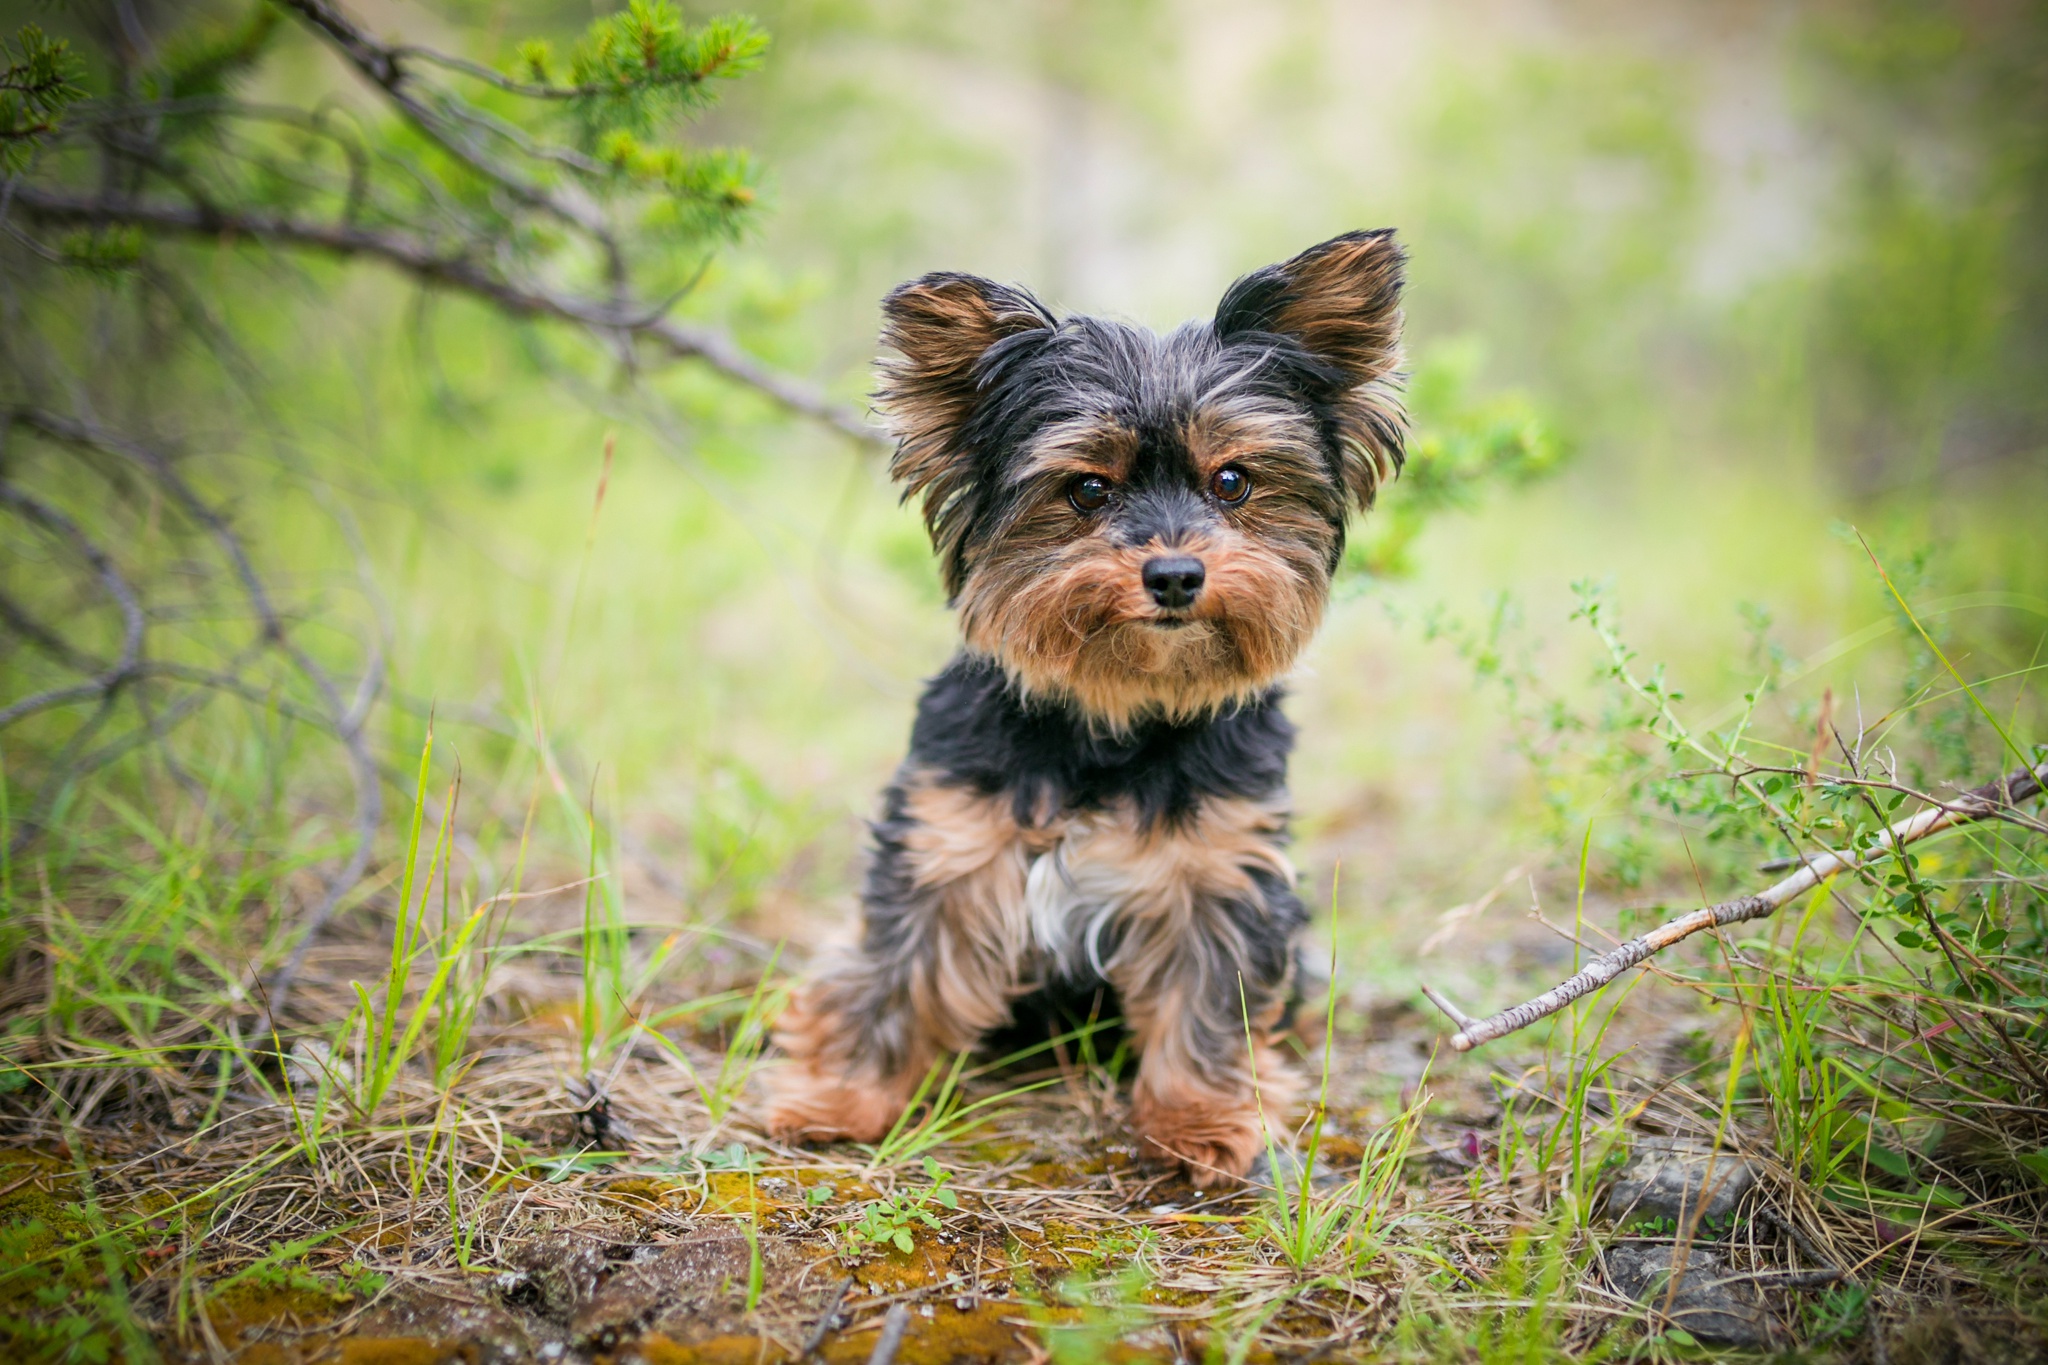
x=1339, y=304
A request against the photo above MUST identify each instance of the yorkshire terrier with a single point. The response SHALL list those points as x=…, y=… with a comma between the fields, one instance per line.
x=1139, y=534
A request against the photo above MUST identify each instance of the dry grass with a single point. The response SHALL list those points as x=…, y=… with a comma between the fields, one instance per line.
x=212, y=1214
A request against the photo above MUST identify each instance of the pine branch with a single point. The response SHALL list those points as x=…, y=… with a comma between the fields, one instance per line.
x=1990, y=801
x=382, y=66
x=454, y=270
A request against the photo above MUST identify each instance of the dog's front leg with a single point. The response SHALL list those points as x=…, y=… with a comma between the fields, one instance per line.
x=943, y=935
x=1202, y=993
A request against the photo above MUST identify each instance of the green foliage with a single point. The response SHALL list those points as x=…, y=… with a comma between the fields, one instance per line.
x=939, y=1112
x=892, y=1221
x=1102, y=1307
x=105, y=252
x=282, y=1267
x=1933, y=306
x=1305, y=1224
x=1565, y=196
x=39, y=80
x=206, y=60
x=381, y=1047
x=646, y=62
x=757, y=615
x=53, y=1306
x=746, y=1039
x=631, y=75
x=1522, y=1320
x=734, y=1156
x=1465, y=446
x=1900, y=1004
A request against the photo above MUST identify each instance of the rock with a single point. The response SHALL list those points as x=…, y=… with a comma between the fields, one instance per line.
x=676, y=1287
x=557, y=1275
x=1678, y=1180
x=313, y=1067
x=1715, y=1304
x=427, y=1323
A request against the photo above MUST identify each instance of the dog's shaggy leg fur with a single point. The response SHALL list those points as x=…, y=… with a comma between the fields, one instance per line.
x=943, y=936
x=1203, y=965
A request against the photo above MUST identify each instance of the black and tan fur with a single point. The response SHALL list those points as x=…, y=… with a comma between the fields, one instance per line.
x=1096, y=786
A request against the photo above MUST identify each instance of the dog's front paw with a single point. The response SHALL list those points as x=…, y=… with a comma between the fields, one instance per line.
x=808, y=1106
x=1215, y=1140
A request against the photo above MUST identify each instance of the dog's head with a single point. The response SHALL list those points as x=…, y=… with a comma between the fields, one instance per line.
x=1146, y=525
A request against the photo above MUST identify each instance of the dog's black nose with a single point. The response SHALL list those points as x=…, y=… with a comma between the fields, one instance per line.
x=1174, y=582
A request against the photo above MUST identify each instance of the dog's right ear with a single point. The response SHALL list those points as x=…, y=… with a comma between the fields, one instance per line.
x=944, y=326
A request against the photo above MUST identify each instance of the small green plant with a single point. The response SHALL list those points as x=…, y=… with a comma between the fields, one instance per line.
x=734, y=1156
x=612, y=983
x=1464, y=447
x=938, y=1112
x=1101, y=1312
x=382, y=1048
x=54, y=1307
x=1524, y=1315
x=1584, y=1069
x=745, y=1042
x=750, y=1227
x=1304, y=1223
x=1301, y=1224
x=282, y=1267
x=892, y=1220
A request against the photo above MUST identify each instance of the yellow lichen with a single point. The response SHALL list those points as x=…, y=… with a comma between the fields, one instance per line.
x=724, y=1350
x=396, y=1351
x=928, y=1262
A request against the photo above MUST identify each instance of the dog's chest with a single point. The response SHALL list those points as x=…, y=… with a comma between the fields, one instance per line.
x=1092, y=876
x=1070, y=900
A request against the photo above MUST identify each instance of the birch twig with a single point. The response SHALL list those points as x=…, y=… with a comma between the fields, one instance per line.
x=1975, y=804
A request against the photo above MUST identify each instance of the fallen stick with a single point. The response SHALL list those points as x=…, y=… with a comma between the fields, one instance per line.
x=893, y=1327
x=1972, y=805
x=825, y=1323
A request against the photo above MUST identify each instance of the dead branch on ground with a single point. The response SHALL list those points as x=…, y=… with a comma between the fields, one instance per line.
x=1986, y=802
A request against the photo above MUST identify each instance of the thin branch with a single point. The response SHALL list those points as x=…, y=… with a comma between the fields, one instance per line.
x=122, y=670
x=535, y=91
x=345, y=719
x=18, y=619
x=382, y=66
x=460, y=271
x=1979, y=803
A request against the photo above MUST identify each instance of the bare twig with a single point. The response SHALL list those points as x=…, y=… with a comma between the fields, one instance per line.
x=1977, y=804
x=530, y=89
x=383, y=67
x=344, y=718
x=122, y=670
x=893, y=1327
x=825, y=1323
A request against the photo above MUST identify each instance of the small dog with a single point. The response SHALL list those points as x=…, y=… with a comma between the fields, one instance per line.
x=1139, y=533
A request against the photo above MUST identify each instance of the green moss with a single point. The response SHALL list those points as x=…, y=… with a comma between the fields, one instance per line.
x=55, y=1302
x=264, y=1301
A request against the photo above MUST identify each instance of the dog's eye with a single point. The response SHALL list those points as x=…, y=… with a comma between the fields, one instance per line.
x=1089, y=493
x=1230, y=484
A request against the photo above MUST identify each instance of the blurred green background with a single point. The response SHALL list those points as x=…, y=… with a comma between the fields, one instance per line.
x=1722, y=281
